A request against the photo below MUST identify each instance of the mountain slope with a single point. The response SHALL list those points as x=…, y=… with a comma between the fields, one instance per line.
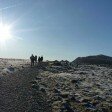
x=96, y=59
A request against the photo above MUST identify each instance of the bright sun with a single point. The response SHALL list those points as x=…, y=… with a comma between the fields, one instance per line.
x=5, y=32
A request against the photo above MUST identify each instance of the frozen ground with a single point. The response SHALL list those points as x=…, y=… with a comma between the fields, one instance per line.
x=16, y=90
x=49, y=88
x=12, y=65
x=82, y=89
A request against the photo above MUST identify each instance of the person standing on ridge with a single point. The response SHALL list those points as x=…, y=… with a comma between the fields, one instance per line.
x=32, y=58
x=35, y=59
x=41, y=58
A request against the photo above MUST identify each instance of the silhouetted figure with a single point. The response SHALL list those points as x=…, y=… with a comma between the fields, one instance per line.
x=39, y=59
x=35, y=59
x=32, y=58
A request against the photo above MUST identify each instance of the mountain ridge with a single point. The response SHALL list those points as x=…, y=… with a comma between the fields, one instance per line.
x=94, y=59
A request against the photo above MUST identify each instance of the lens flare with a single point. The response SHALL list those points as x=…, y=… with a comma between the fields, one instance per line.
x=5, y=32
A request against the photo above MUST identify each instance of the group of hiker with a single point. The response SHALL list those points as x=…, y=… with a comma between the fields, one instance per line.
x=34, y=59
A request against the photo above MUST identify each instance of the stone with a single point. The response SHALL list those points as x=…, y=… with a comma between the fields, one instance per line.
x=85, y=100
x=56, y=91
x=33, y=82
x=104, y=109
x=38, y=78
x=34, y=86
x=89, y=105
x=64, y=94
x=95, y=103
x=57, y=103
x=43, y=90
x=74, y=81
x=11, y=68
x=22, y=66
x=67, y=107
x=82, y=73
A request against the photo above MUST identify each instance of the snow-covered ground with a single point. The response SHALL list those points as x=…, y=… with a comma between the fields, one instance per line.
x=11, y=65
x=87, y=88
x=16, y=92
x=82, y=89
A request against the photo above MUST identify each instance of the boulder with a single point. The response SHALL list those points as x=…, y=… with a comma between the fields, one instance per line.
x=64, y=94
x=43, y=90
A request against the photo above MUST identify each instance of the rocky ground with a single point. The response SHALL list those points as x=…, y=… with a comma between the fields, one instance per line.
x=17, y=93
x=81, y=89
x=50, y=88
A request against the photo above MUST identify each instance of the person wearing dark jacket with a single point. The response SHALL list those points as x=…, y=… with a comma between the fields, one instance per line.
x=35, y=59
x=32, y=58
x=41, y=58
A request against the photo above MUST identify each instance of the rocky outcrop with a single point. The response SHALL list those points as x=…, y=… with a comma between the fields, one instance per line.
x=97, y=60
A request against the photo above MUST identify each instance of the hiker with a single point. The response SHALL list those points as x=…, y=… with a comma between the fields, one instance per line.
x=32, y=58
x=35, y=59
x=39, y=59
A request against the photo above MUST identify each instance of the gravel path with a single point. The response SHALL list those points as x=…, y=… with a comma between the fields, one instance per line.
x=17, y=95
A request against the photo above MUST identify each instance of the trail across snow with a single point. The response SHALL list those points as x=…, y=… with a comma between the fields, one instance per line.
x=16, y=94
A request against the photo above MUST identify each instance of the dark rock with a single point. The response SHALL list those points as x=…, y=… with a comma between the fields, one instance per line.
x=82, y=73
x=57, y=98
x=89, y=105
x=43, y=90
x=67, y=107
x=104, y=109
x=75, y=81
x=85, y=100
x=98, y=60
x=72, y=98
x=95, y=103
x=56, y=91
x=33, y=82
x=98, y=98
x=34, y=86
x=11, y=69
x=38, y=78
x=93, y=74
x=64, y=95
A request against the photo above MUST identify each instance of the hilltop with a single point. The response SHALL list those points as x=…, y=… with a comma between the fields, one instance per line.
x=95, y=59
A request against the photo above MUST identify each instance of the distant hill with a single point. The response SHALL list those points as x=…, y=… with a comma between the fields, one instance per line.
x=96, y=59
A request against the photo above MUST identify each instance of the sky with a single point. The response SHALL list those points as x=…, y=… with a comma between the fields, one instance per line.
x=57, y=29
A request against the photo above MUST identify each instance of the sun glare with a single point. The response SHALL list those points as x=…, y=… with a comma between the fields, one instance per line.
x=5, y=32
